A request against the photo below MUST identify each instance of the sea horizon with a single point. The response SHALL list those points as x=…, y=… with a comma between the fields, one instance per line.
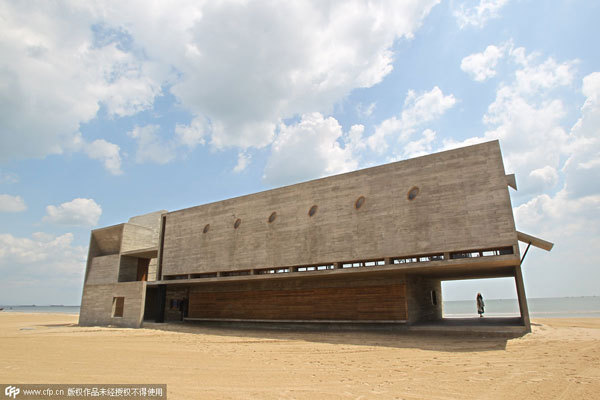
x=539, y=307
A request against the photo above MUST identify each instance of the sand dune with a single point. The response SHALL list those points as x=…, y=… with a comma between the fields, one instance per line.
x=559, y=360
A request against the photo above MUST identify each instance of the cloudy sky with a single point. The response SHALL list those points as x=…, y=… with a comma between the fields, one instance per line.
x=113, y=109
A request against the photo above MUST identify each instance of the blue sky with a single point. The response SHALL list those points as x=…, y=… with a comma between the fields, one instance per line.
x=113, y=110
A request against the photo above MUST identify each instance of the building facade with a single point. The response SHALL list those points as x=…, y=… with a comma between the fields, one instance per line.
x=370, y=246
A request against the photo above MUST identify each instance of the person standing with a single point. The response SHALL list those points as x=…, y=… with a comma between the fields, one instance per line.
x=480, y=305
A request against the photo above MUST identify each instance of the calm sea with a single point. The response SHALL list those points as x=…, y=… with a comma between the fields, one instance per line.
x=42, y=309
x=552, y=307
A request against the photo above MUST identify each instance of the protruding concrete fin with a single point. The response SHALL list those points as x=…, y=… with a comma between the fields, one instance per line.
x=537, y=242
x=511, y=181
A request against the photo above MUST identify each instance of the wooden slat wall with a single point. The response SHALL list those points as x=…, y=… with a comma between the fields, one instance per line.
x=382, y=302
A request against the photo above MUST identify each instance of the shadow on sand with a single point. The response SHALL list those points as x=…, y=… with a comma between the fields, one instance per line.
x=58, y=325
x=399, y=337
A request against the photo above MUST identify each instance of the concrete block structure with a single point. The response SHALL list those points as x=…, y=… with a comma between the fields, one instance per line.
x=370, y=246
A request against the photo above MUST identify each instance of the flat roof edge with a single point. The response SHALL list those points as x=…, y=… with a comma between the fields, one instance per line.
x=494, y=142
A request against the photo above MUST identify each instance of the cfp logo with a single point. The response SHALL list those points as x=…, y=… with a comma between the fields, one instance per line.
x=12, y=391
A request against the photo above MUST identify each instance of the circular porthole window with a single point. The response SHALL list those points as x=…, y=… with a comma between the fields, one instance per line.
x=359, y=202
x=412, y=193
x=237, y=223
x=312, y=211
x=206, y=228
x=272, y=217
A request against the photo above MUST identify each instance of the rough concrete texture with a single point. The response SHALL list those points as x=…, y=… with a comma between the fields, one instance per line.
x=136, y=237
x=103, y=270
x=97, y=304
x=463, y=203
x=110, y=274
x=419, y=299
x=150, y=220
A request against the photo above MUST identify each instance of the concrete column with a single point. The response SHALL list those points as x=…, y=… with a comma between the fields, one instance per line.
x=522, y=298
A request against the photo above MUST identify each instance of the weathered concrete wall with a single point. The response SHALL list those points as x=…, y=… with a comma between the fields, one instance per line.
x=136, y=237
x=419, y=299
x=97, y=303
x=104, y=272
x=103, y=269
x=128, y=269
x=463, y=203
x=150, y=220
x=105, y=241
x=152, y=270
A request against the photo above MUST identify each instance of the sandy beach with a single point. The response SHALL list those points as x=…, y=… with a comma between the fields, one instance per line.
x=559, y=360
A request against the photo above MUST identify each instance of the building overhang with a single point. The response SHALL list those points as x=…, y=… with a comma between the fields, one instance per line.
x=534, y=241
x=468, y=268
x=149, y=252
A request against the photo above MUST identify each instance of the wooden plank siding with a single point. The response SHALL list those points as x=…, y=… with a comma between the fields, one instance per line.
x=381, y=302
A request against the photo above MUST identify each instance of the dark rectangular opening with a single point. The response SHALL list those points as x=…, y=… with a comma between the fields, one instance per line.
x=205, y=275
x=175, y=277
x=163, y=226
x=152, y=306
x=142, y=269
x=118, y=306
x=235, y=273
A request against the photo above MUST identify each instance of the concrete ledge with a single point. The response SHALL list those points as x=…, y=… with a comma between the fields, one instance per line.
x=301, y=325
x=475, y=325
x=324, y=321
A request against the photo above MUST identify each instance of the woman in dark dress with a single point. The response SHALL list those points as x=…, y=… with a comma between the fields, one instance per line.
x=480, y=304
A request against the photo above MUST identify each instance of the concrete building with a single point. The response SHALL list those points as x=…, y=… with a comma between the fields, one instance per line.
x=370, y=246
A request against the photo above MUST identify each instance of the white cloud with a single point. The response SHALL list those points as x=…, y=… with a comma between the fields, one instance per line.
x=418, y=110
x=365, y=110
x=560, y=215
x=311, y=55
x=479, y=15
x=8, y=177
x=311, y=149
x=573, y=225
x=10, y=203
x=525, y=114
x=44, y=268
x=546, y=175
x=40, y=248
x=191, y=135
x=100, y=149
x=108, y=153
x=534, y=77
x=150, y=146
x=582, y=168
x=153, y=147
x=78, y=212
x=243, y=162
x=241, y=67
x=481, y=66
x=571, y=216
x=421, y=146
x=56, y=73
